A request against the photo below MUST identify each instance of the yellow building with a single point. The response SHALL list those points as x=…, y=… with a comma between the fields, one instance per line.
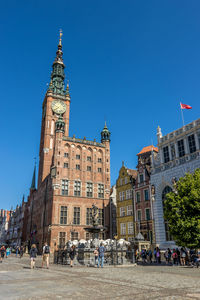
x=125, y=215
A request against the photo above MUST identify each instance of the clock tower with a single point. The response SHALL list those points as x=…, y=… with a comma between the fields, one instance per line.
x=56, y=102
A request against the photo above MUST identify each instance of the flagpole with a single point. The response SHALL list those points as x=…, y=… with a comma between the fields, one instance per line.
x=182, y=115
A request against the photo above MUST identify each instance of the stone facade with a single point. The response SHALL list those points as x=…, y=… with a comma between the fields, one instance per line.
x=73, y=174
x=179, y=152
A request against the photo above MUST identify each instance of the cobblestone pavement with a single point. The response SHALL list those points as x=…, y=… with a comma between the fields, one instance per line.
x=18, y=281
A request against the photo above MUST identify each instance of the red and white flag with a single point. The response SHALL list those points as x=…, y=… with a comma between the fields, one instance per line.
x=185, y=106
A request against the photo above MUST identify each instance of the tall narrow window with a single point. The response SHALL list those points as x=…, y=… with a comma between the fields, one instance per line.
x=78, y=156
x=181, y=149
x=122, y=212
x=78, y=167
x=129, y=210
x=139, y=215
x=65, y=187
x=100, y=190
x=123, y=228
x=77, y=188
x=66, y=154
x=166, y=154
x=89, y=158
x=130, y=227
x=76, y=216
x=147, y=214
x=138, y=197
x=89, y=189
x=63, y=215
x=146, y=195
x=191, y=142
x=62, y=239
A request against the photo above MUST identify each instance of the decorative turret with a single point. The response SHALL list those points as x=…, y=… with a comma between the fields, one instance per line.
x=60, y=125
x=105, y=134
x=67, y=91
x=159, y=134
x=57, y=84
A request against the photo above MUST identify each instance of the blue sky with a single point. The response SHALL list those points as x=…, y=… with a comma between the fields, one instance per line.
x=128, y=62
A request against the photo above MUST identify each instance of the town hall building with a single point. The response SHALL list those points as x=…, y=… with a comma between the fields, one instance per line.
x=73, y=174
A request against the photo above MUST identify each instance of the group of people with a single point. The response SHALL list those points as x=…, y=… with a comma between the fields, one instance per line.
x=45, y=255
x=4, y=252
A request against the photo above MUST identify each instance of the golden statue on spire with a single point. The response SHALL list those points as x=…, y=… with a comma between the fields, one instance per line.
x=60, y=40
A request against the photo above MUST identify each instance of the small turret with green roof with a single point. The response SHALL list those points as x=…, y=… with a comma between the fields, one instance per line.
x=105, y=134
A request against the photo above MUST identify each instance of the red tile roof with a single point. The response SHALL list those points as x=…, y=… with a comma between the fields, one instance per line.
x=148, y=149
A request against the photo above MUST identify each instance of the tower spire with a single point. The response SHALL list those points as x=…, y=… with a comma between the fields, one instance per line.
x=33, y=187
x=57, y=84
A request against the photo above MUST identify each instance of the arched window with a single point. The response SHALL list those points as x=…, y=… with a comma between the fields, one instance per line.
x=166, y=190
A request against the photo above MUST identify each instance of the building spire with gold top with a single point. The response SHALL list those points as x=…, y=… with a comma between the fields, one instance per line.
x=58, y=75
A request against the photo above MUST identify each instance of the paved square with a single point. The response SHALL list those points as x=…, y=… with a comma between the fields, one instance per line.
x=18, y=281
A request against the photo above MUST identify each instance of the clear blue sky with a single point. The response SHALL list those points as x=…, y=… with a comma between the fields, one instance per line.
x=127, y=61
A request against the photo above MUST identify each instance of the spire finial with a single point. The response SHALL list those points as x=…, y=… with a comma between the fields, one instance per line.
x=60, y=40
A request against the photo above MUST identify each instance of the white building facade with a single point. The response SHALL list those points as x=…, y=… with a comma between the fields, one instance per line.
x=178, y=153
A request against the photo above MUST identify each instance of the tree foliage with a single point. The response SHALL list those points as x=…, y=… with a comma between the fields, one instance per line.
x=182, y=210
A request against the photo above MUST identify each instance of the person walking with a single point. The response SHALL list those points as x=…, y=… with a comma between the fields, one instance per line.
x=7, y=252
x=169, y=256
x=183, y=257
x=21, y=251
x=101, y=251
x=45, y=255
x=33, y=255
x=174, y=256
x=2, y=253
x=96, y=254
x=72, y=254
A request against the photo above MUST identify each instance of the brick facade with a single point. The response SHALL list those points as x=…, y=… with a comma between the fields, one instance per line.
x=73, y=175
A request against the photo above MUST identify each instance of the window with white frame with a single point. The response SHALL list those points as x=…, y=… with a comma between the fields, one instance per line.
x=77, y=188
x=128, y=194
x=89, y=158
x=78, y=167
x=100, y=190
x=66, y=154
x=65, y=184
x=129, y=210
x=89, y=189
x=123, y=228
x=66, y=165
x=130, y=227
x=76, y=220
x=122, y=212
x=78, y=156
x=63, y=215
x=123, y=196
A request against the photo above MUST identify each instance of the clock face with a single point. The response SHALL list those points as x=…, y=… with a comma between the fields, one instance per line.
x=58, y=106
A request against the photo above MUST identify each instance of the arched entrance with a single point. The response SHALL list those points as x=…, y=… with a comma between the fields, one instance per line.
x=166, y=190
